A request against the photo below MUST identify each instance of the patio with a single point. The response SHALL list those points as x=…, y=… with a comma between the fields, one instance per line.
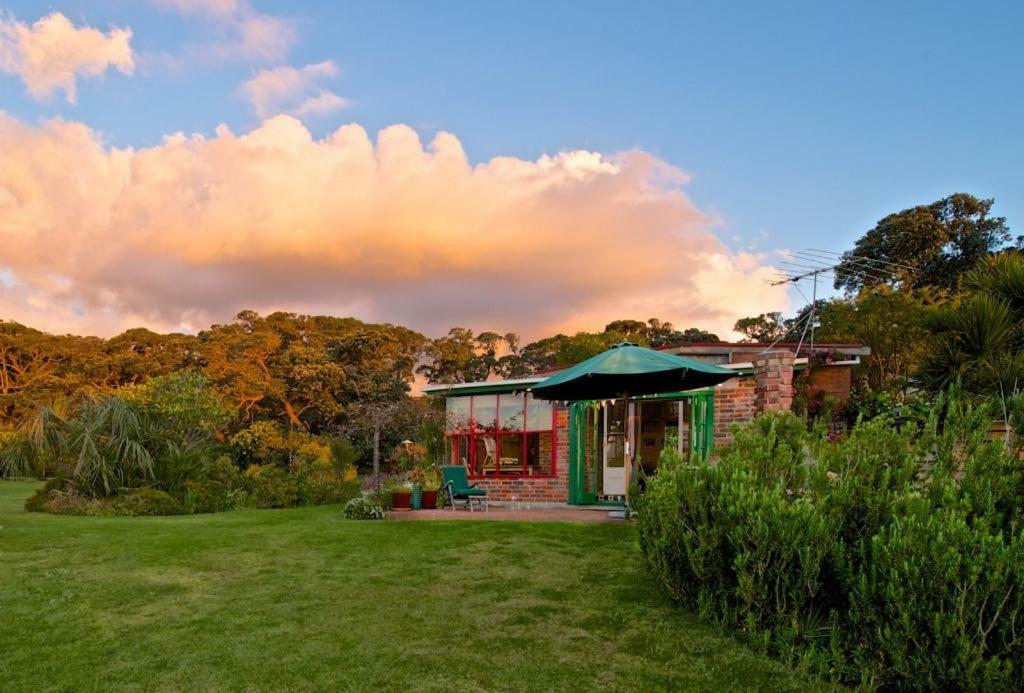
x=589, y=515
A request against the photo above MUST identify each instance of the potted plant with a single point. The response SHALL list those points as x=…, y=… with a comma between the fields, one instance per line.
x=401, y=495
x=429, y=480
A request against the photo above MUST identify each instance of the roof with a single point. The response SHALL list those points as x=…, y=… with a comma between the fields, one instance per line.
x=483, y=386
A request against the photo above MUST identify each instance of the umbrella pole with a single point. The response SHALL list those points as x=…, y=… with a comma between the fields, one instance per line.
x=628, y=449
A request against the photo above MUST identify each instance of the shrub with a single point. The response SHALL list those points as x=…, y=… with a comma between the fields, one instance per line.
x=38, y=502
x=363, y=507
x=262, y=443
x=219, y=489
x=269, y=487
x=892, y=557
x=313, y=490
x=937, y=605
x=57, y=498
x=144, y=501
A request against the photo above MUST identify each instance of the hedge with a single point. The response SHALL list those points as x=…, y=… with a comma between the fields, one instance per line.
x=887, y=558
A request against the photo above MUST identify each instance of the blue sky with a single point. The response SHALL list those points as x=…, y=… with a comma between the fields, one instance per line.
x=801, y=123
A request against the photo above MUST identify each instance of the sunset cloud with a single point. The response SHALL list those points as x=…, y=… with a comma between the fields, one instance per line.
x=185, y=233
x=246, y=34
x=295, y=91
x=52, y=53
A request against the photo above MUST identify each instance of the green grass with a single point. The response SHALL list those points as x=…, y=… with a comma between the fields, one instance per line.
x=302, y=599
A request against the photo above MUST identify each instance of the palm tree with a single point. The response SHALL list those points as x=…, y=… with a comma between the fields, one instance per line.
x=104, y=445
x=979, y=340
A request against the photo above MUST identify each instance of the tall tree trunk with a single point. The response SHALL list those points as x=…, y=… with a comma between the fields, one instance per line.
x=376, y=451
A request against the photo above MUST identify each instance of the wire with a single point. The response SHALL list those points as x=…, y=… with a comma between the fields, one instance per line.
x=845, y=268
x=868, y=259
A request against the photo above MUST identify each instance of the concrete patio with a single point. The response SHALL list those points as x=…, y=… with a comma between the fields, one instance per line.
x=510, y=514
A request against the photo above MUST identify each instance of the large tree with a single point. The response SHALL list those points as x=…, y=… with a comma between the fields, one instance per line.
x=285, y=366
x=763, y=328
x=462, y=357
x=925, y=246
x=378, y=368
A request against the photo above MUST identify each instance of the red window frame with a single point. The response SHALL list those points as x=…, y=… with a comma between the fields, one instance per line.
x=497, y=434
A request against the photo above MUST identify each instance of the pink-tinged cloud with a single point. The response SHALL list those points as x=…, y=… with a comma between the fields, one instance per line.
x=295, y=91
x=244, y=33
x=53, y=53
x=182, y=234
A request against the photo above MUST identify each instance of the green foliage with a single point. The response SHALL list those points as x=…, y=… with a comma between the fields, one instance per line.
x=928, y=245
x=270, y=487
x=218, y=489
x=103, y=444
x=262, y=442
x=890, y=557
x=979, y=339
x=763, y=328
x=59, y=499
x=37, y=502
x=363, y=507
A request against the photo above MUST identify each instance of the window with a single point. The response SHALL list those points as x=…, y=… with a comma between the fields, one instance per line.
x=508, y=435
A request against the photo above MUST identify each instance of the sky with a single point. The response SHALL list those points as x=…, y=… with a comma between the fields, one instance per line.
x=535, y=167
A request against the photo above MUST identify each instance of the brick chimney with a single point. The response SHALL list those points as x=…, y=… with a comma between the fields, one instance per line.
x=773, y=375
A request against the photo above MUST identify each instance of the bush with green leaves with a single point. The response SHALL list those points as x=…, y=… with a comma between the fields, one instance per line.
x=269, y=487
x=891, y=557
x=363, y=507
x=219, y=488
x=60, y=499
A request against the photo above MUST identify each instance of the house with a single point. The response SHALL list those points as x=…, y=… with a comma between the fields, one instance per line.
x=527, y=451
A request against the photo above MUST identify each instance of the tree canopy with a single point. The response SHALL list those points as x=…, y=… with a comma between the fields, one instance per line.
x=929, y=245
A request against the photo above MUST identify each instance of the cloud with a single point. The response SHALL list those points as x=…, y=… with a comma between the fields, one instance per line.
x=296, y=91
x=244, y=33
x=52, y=53
x=187, y=232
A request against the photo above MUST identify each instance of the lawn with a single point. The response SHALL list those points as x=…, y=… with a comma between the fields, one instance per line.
x=302, y=599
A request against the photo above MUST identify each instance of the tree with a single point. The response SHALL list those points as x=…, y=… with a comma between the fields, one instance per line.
x=692, y=335
x=764, y=328
x=978, y=339
x=104, y=442
x=890, y=323
x=462, y=357
x=657, y=333
x=925, y=246
x=282, y=365
x=378, y=369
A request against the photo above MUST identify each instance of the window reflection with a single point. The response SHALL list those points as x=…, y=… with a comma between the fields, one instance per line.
x=508, y=434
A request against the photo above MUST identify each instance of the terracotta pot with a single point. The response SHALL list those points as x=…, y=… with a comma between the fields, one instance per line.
x=401, y=500
x=429, y=500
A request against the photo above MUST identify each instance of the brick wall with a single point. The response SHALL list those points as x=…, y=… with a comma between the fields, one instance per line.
x=537, y=491
x=773, y=374
x=734, y=403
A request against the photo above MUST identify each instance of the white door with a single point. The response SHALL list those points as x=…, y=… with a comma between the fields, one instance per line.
x=614, y=462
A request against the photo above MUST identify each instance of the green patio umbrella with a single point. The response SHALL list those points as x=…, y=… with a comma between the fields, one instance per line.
x=627, y=370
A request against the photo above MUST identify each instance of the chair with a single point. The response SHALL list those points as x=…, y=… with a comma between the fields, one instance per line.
x=501, y=464
x=490, y=449
x=457, y=487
